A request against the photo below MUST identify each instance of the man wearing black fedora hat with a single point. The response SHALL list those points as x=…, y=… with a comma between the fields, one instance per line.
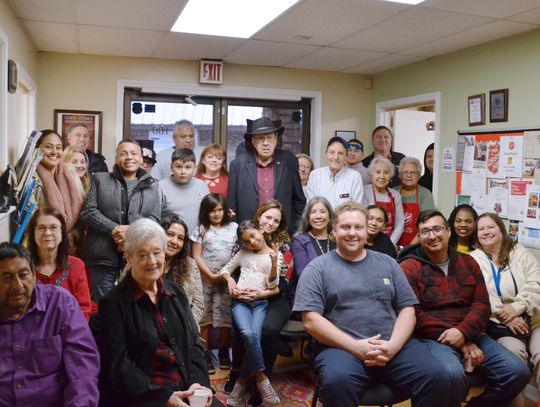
x=263, y=173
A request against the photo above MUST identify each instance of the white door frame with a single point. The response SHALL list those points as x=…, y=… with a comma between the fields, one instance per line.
x=31, y=88
x=426, y=98
x=3, y=100
x=227, y=91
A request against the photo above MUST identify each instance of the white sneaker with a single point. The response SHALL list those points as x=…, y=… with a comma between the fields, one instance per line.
x=237, y=398
x=268, y=394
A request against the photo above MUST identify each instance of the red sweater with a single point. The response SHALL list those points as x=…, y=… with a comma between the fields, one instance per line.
x=459, y=300
x=217, y=185
x=74, y=280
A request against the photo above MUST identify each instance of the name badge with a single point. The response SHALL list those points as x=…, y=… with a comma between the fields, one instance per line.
x=344, y=196
x=386, y=281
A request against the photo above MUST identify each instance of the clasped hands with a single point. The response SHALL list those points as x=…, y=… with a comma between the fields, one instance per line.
x=507, y=314
x=375, y=351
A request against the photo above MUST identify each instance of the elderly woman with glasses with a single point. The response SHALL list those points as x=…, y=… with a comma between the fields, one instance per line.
x=149, y=342
x=414, y=198
x=49, y=246
x=378, y=193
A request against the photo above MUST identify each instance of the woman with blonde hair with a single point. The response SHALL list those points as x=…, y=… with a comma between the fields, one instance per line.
x=77, y=158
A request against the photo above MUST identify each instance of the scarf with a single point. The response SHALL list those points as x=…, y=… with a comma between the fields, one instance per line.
x=60, y=192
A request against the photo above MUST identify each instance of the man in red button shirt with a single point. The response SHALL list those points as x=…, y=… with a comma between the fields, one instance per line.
x=264, y=172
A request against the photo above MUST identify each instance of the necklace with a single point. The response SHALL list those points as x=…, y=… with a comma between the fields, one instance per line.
x=319, y=243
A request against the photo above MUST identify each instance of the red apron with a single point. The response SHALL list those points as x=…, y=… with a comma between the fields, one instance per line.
x=411, y=210
x=390, y=209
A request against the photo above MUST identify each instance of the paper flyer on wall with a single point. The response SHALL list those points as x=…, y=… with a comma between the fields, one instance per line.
x=465, y=153
x=480, y=203
x=513, y=229
x=497, y=196
x=536, y=176
x=529, y=237
x=463, y=200
x=532, y=217
x=517, y=199
x=511, y=156
x=529, y=164
x=448, y=160
x=473, y=183
x=531, y=143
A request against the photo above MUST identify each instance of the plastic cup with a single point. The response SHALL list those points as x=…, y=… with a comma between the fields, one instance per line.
x=199, y=398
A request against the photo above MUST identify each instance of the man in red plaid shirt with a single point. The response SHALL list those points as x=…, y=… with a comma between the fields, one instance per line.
x=452, y=315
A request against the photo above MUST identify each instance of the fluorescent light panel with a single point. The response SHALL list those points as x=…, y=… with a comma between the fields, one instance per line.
x=413, y=2
x=229, y=18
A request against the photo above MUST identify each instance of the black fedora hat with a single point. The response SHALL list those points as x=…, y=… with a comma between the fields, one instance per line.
x=263, y=125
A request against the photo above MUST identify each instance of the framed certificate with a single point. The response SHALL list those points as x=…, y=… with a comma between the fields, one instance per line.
x=498, y=105
x=477, y=110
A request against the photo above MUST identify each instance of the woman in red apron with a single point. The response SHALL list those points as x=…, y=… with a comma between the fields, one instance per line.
x=414, y=198
x=381, y=171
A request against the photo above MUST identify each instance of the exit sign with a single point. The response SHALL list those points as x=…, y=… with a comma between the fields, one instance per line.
x=211, y=72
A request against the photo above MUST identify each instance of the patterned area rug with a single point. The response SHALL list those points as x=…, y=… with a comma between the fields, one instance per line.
x=295, y=388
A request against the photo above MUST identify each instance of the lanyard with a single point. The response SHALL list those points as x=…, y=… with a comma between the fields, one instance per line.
x=496, y=277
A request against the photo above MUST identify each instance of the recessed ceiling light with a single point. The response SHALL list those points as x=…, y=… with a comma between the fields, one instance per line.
x=229, y=18
x=413, y=2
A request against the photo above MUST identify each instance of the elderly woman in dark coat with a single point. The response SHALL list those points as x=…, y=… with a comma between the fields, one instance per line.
x=150, y=351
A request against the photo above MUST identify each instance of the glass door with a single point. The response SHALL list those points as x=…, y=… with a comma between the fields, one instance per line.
x=150, y=118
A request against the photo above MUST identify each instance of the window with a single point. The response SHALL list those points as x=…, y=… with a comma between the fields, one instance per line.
x=151, y=117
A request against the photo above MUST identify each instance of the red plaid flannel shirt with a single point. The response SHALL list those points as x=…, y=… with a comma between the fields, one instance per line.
x=459, y=300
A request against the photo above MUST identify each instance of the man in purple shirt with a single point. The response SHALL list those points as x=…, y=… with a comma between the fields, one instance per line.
x=48, y=356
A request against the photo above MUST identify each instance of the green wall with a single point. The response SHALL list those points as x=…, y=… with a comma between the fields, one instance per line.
x=512, y=63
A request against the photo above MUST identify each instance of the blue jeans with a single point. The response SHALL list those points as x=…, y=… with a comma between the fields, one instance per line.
x=505, y=373
x=344, y=378
x=249, y=318
x=103, y=279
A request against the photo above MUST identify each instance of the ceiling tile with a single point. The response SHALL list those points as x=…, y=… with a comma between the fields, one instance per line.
x=118, y=41
x=327, y=21
x=194, y=47
x=141, y=14
x=335, y=59
x=469, y=38
x=53, y=37
x=255, y=52
x=490, y=8
x=531, y=16
x=383, y=64
x=412, y=27
x=59, y=11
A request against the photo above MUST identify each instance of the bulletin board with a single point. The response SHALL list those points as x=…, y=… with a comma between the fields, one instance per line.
x=499, y=171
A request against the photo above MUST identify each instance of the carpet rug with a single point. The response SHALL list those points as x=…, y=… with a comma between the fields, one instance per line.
x=295, y=388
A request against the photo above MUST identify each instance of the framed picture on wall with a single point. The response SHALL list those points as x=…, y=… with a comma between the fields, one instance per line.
x=346, y=134
x=498, y=105
x=477, y=110
x=65, y=120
